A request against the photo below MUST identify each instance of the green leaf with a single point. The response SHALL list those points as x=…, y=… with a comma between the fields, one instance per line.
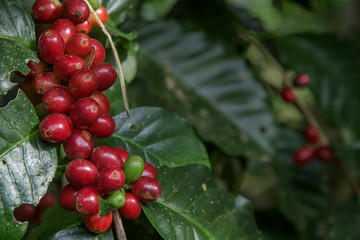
x=17, y=41
x=159, y=137
x=345, y=221
x=213, y=88
x=27, y=164
x=193, y=207
x=118, y=10
x=105, y=207
x=155, y=9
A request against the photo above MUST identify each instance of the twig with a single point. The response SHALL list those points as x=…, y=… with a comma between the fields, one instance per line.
x=120, y=232
x=116, y=56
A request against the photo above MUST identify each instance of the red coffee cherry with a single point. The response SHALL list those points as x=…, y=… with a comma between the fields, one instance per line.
x=87, y=202
x=98, y=224
x=66, y=66
x=110, y=180
x=84, y=27
x=103, y=127
x=44, y=81
x=149, y=171
x=102, y=15
x=27, y=88
x=81, y=173
x=51, y=46
x=288, y=95
x=83, y=84
x=42, y=28
x=46, y=11
x=104, y=157
x=102, y=100
x=78, y=45
x=99, y=51
x=67, y=197
x=46, y=201
x=303, y=155
x=79, y=145
x=24, y=212
x=311, y=134
x=325, y=154
x=76, y=10
x=57, y=100
x=55, y=128
x=132, y=208
x=123, y=153
x=65, y=27
x=84, y=112
x=146, y=189
x=301, y=80
x=105, y=75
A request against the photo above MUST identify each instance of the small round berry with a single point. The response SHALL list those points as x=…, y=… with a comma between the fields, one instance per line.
x=146, y=189
x=104, y=157
x=44, y=81
x=311, y=134
x=288, y=95
x=27, y=88
x=105, y=75
x=117, y=198
x=76, y=10
x=57, y=100
x=65, y=27
x=79, y=145
x=24, y=212
x=78, y=45
x=301, y=80
x=104, y=127
x=303, y=155
x=149, y=171
x=46, y=11
x=51, y=46
x=87, y=202
x=102, y=100
x=325, y=154
x=66, y=66
x=132, y=208
x=83, y=84
x=123, y=153
x=67, y=197
x=84, y=112
x=46, y=201
x=98, y=224
x=100, y=53
x=84, y=27
x=95, y=4
x=110, y=180
x=102, y=15
x=133, y=168
x=81, y=173
x=55, y=128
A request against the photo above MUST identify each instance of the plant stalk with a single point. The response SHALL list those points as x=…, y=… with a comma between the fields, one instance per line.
x=119, y=227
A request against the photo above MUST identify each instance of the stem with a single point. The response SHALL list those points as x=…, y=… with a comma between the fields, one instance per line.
x=120, y=232
x=116, y=56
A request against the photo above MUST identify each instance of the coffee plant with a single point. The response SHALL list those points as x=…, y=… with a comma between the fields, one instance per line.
x=207, y=119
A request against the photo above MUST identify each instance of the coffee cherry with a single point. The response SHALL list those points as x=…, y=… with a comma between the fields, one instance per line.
x=66, y=66
x=132, y=208
x=95, y=4
x=46, y=11
x=110, y=180
x=46, y=201
x=98, y=224
x=84, y=112
x=27, y=88
x=123, y=153
x=288, y=95
x=81, y=173
x=117, y=198
x=84, y=27
x=149, y=171
x=57, y=100
x=79, y=145
x=105, y=75
x=146, y=189
x=325, y=154
x=65, y=27
x=87, y=202
x=303, y=155
x=104, y=157
x=51, y=46
x=133, y=168
x=103, y=127
x=102, y=100
x=42, y=28
x=78, y=45
x=76, y=10
x=311, y=134
x=55, y=128
x=99, y=51
x=102, y=15
x=67, y=197
x=24, y=212
x=83, y=84
x=43, y=82
x=301, y=80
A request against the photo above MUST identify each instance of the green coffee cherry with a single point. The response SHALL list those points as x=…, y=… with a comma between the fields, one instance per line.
x=117, y=198
x=133, y=168
x=95, y=4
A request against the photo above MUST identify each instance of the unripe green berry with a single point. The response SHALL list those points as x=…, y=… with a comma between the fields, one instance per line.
x=117, y=198
x=133, y=168
x=95, y=4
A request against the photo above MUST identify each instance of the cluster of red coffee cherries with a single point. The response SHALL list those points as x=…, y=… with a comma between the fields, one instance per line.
x=305, y=154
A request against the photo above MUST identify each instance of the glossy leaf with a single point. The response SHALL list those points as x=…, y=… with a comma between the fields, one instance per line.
x=156, y=9
x=213, y=88
x=27, y=165
x=159, y=137
x=118, y=10
x=193, y=207
x=17, y=41
x=105, y=207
